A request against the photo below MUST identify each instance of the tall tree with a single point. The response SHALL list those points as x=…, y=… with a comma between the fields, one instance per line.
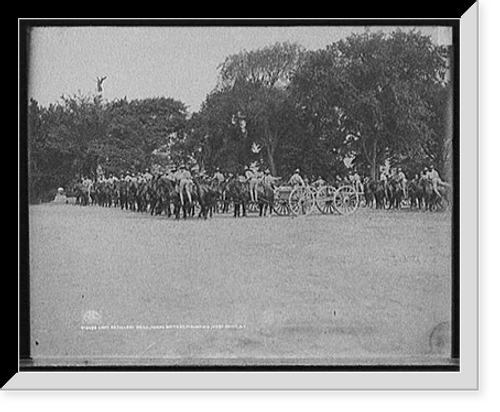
x=258, y=80
x=75, y=136
x=370, y=93
x=138, y=127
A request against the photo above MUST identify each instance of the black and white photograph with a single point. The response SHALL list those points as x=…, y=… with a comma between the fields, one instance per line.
x=243, y=196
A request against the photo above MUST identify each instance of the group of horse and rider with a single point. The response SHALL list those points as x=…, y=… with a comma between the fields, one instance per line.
x=182, y=186
x=425, y=190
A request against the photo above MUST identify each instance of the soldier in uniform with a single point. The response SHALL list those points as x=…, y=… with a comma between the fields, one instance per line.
x=434, y=177
x=254, y=182
x=269, y=180
x=249, y=175
x=318, y=183
x=185, y=183
x=401, y=178
x=147, y=176
x=296, y=179
x=218, y=178
x=87, y=185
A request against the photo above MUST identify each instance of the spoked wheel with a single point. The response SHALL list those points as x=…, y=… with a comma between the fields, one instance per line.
x=223, y=207
x=281, y=207
x=346, y=200
x=219, y=206
x=252, y=207
x=325, y=200
x=301, y=201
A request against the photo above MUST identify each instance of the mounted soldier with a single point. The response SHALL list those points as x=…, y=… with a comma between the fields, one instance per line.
x=296, y=179
x=185, y=184
x=401, y=179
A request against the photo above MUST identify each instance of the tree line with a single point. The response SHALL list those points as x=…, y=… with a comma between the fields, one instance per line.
x=371, y=98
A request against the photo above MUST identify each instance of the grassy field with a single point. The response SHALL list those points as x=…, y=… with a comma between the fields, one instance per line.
x=108, y=284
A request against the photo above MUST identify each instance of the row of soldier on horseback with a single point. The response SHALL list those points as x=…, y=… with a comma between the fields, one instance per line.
x=182, y=188
x=149, y=192
x=179, y=187
x=426, y=190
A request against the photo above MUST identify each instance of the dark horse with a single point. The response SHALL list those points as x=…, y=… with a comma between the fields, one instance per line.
x=207, y=196
x=370, y=187
x=377, y=187
x=201, y=194
x=416, y=193
x=81, y=193
x=237, y=193
x=160, y=192
x=394, y=194
x=265, y=197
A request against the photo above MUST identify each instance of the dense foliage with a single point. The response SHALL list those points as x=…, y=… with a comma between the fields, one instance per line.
x=370, y=98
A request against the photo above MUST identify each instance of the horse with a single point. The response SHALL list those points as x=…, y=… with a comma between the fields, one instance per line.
x=433, y=201
x=395, y=194
x=160, y=195
x=131, y=187
x=207, y=197
x=265, y=193
x=80, y=194
x=142, y=196
x=379, y=193
x=122, y=194
x=184, y=203
x=369, y=190
x=238, y=194
x=416, y=194
x=115, y=193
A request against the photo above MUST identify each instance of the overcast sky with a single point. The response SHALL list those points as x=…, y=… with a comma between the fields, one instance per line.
x=140, y=62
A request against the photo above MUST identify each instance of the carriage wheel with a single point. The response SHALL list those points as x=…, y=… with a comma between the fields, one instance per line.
x=325, y=197
x=346, y=200
x=219, y=206
x=301, y=201
x=252, y=207
x=281, y=207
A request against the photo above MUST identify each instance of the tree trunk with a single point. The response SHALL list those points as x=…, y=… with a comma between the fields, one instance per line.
x=270, y=159
x=271, y=142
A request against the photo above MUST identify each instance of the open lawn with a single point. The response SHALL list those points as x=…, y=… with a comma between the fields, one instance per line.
x=108, y=284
